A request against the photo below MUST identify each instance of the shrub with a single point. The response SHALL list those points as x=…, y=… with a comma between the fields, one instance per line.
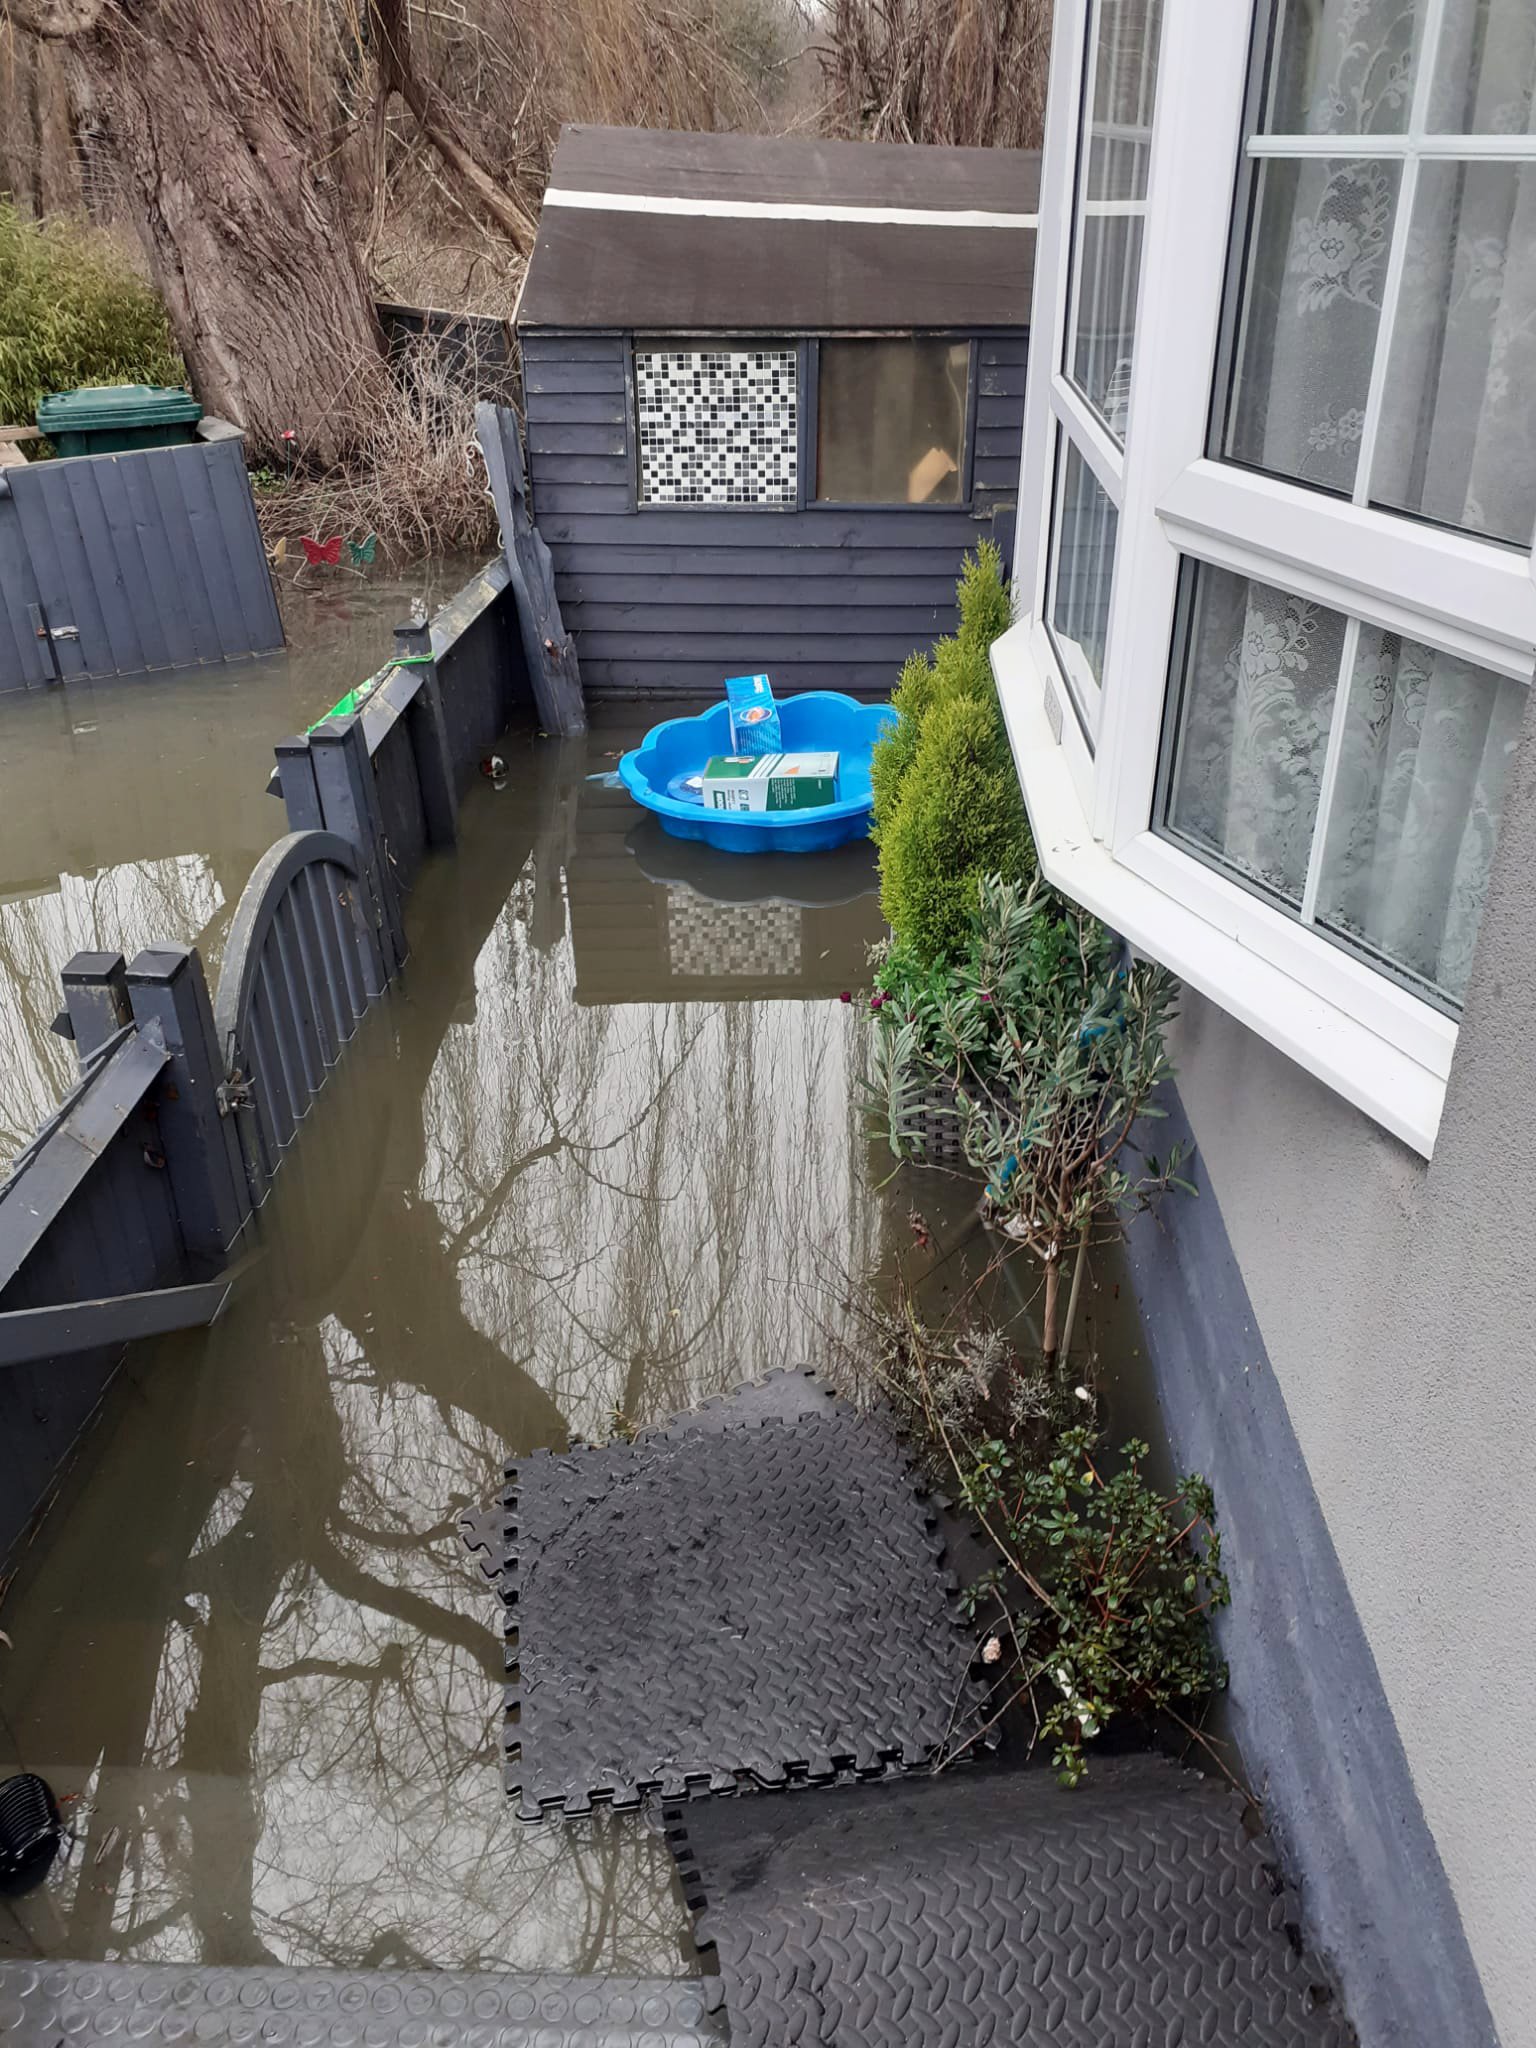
x=1051, y=1051
x=960, y=817
x=967, y=817
x=73, y=310
x=1105, y=1586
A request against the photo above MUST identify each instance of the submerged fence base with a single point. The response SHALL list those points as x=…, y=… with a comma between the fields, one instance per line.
x=121, y=1218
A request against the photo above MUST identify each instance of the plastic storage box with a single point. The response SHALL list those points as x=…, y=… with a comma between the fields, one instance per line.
x=115, y=417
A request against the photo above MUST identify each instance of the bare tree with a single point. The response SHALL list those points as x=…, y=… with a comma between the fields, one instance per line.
x=223, y=163
x=966, y=72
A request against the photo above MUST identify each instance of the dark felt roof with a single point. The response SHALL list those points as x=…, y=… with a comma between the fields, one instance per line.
x=691, y=273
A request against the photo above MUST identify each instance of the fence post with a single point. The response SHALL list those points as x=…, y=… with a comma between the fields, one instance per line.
x=349, y=806
x=296, y=779
x=95, y=999
x=548, y=650
x=167, y=987
x=426, y=726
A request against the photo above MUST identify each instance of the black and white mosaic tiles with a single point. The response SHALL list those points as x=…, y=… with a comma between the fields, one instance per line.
x=717, y=426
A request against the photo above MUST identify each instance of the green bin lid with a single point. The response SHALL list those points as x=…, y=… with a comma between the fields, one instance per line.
x=116, y=406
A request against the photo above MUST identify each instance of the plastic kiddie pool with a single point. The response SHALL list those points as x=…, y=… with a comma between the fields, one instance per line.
x=820, y=721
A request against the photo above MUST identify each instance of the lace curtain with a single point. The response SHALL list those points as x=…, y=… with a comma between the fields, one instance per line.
x=1426, y=740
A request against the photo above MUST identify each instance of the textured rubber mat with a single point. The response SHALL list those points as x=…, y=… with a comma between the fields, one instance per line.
x=750, y=1598
x=988, y=1907
x=43, y=2004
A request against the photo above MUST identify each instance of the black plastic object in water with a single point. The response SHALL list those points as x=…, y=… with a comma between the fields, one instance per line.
x=29, y=1828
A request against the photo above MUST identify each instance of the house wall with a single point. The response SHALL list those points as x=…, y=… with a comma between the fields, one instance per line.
x=1343, y=1338
x=668, y=602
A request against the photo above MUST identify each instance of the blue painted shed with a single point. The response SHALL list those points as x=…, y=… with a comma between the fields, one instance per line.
x=774, y=391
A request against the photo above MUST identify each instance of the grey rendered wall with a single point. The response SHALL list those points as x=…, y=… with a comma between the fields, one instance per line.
x=668, y=602
x=1370, y=1433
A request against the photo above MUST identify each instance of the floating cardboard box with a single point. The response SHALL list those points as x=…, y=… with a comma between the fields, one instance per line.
x=771, y=782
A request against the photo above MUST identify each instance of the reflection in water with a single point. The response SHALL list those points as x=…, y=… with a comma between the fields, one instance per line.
x=119, y=908
x=560, y=1174
x=134, y=811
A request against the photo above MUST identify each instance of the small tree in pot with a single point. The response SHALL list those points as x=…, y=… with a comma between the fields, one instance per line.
x=1050, y=1048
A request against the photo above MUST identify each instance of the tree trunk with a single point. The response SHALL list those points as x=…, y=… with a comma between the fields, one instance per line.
x=1051, y=1337
x=226, y=170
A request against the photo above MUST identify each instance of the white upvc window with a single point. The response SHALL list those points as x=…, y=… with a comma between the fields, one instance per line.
x=1275, y=583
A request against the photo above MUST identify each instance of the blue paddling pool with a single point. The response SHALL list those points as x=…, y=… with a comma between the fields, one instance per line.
x=820, y=721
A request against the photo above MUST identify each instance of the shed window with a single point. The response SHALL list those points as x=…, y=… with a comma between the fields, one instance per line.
x=890, y=422
x=717, y=426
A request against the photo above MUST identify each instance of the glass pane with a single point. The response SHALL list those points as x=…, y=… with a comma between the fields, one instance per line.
x=1084, y=566
x=890, y=422
x=1485, y=73
x=1308, y=320
x=1343, y=67
x=1457, y=441
x=1260, y=669
x=717, y=426
x=1425, y=753
x=1114, y=186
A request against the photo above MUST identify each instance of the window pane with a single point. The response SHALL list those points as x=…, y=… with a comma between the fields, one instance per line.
x=1309, y=315
x=1113, y=187
x=1485, y=73
x=890, y=422
x=1260, y=669
x=1424, y=755
x=1084, y=564
x=717, y=426
x=1343, y=67
x=1457, y=441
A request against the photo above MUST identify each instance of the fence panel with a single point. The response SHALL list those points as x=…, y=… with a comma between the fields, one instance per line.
x=301, y=966
x=151, y=559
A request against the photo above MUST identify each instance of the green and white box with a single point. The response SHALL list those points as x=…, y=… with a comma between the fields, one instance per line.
x=770, y=782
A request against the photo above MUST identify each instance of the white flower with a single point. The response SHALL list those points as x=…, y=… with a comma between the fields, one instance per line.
x=991, y=1650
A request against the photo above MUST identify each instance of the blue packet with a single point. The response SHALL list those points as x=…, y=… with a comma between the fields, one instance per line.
x=754, y=716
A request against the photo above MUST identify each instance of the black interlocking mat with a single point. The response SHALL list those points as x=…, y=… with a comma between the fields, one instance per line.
x=44, y=2004
x=751, y=1598
x=986, y=1907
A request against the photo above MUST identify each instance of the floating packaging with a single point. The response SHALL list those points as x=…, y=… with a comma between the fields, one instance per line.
x=770, y=782
x=754, y=717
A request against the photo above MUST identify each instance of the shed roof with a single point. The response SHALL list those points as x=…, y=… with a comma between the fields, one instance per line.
x=688, y=233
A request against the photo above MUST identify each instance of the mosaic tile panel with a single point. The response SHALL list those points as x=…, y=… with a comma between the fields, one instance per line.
x=717, y=426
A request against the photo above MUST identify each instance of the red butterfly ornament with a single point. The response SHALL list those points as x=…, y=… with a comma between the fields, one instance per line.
x=317, y=552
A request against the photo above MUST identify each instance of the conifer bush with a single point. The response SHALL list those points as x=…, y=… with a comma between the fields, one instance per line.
x=947, y=804
x=73, y=310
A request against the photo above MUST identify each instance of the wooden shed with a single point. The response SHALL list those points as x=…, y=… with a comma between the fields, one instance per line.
x=775, y=391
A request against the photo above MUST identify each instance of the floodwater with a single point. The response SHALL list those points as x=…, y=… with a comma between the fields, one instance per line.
x=598, y=1154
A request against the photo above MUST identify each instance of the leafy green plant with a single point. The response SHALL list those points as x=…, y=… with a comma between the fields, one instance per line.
x=947, y=802
x=1050, y=1049
x=73, y=310
x=1104, y=1587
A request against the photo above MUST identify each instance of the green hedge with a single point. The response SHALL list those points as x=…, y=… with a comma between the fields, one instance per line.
x=947, y=804
x=73, y=310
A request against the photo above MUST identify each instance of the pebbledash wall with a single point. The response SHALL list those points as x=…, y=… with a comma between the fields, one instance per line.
x=1343, y=1337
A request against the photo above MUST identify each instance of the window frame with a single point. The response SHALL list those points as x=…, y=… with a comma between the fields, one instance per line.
x=1092, y=804
x=807, y=348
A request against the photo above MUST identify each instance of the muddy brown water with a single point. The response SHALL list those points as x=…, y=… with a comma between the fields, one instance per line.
x=598, y=1153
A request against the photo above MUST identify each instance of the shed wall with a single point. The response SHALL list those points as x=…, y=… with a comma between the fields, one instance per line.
x=670, y=602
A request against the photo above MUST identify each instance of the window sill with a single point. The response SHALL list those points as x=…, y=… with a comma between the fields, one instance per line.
x=1397, y=1090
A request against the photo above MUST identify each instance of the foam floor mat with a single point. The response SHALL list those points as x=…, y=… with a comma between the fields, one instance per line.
x=45, y=2003
x=977, y=1908
x=750, y=1598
